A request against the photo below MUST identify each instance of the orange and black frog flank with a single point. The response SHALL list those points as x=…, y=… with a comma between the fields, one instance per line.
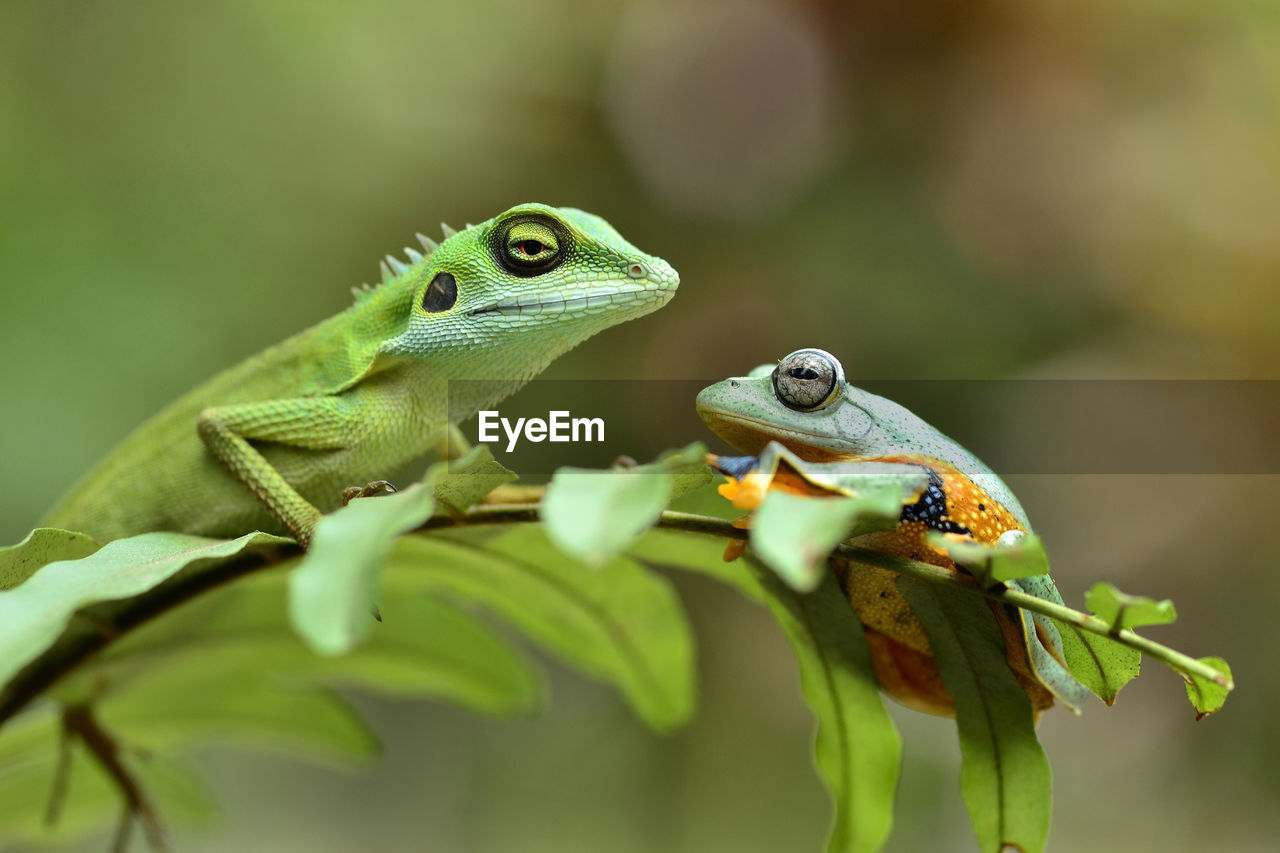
x=953, y=503
x=805, y=404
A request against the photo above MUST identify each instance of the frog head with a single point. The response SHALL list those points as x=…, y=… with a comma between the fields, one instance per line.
x=805, y=404
x=802, y=402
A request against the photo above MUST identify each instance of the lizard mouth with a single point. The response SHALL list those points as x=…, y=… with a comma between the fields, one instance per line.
x=585, y=303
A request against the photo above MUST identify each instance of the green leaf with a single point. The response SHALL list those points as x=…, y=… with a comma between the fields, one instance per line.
x=687, y=468
x=1100, y=663
x=227, y=668
x=42, y=546
x=857, y=749
x=1005, y=776
x=619, y=623
x=794, y=534
x=331, y=591
x=428, y=647
x=1019, y=561
x=1021, y=556
x=33, y=615
x=884, y=487
x=1121, y=610
x=594, y=515
x=423, y=647
x=468, y=479
x=1044, y=643
x=697, y=553
x=203, y=707
x=1207, y=696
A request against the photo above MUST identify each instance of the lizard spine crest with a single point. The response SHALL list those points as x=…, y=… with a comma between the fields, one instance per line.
x=391, y=267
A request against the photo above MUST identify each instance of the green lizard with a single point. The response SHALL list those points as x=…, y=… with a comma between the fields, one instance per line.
x=271, y=443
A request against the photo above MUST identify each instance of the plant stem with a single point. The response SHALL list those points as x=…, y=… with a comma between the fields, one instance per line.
x=79, y=722
x=121, y=617
x=709, y=525
x=1013, y=597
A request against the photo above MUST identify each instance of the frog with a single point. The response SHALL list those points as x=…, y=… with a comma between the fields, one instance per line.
x=803, y=408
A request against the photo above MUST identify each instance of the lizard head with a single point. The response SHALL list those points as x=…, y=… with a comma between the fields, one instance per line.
x=502, y=299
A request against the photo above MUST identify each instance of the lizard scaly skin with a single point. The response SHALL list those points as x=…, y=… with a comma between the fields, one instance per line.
x=271, y=443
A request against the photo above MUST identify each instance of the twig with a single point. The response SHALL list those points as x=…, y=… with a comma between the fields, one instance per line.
x=41, y=673
x=61, y=778
x=79, y=722
x=1016, y=598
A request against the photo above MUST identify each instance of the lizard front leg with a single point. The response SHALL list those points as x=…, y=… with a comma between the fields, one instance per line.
x=312, y=423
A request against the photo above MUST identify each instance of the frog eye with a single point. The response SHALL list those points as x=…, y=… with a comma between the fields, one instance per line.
x=530, y=247
x=807, y=379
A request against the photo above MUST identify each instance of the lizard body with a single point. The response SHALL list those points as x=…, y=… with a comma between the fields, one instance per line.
x=271, y=443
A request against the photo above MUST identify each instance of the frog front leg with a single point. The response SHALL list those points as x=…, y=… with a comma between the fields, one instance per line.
x=884, y=488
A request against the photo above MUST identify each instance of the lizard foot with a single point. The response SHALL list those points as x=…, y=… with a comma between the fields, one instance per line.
x=368, y=490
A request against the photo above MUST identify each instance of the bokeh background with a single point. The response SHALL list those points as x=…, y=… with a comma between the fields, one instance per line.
x=932, y=190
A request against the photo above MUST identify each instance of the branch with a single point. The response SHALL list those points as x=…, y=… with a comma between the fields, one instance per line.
x=100, y=625
x=117, y=618
x=79, y=722
x=939, y=575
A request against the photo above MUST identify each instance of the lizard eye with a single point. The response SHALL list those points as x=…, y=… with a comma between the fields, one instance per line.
x=807, y=379
x=529, y=248
x=441, y=294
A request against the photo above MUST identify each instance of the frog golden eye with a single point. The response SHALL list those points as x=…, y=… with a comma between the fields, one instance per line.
x=530, y=248
x=807, y=379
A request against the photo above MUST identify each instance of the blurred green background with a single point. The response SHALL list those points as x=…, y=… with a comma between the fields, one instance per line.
x=930, y=190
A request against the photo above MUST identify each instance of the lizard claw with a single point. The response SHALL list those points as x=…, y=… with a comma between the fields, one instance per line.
x=368, y=490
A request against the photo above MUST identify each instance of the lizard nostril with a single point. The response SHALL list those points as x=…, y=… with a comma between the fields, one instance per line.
x=635, y=270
